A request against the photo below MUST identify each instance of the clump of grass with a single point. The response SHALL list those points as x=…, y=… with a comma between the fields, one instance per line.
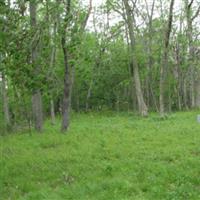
x=105, y=156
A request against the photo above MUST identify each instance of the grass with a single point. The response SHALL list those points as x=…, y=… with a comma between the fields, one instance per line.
x=105, y=157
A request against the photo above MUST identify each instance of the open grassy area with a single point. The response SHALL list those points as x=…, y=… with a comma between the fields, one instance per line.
x=105, y=157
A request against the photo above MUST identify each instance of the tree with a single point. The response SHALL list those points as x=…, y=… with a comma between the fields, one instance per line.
x=190, y=18
x=36, y=97
x=66, y=93
x=163, y=68
x=140, y=99
x=5, y=103
x=67, y=78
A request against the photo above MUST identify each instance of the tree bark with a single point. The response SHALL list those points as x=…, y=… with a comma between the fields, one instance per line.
x=5, y=103
x=53, y=119
x=150, y=95
x=178, y=77
x=185, y=93
x=67, y=79
x=191, y=65
x=140, y=99
x=67, y=82
x=87, y=106
x=66, y=92
x=37, y=110
x=190, y=58
x=163, y=68
x=52, y=65
x=197, y=89
x=36, y=97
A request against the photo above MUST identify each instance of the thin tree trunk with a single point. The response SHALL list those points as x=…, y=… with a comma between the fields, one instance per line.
x=72, y=84
x=185, y=96
x=77, y=102
x=190, y=19
x=154, y=100
x=66, y=92
x=52, y=64
x=36, y=97
x=190, y=61
x=52, y=111
x=37, y=110
x=5, y=103
x=177, y=76
x=67, y=79
x=88, y=95
x=150, y=56
x=53, y=119
x=163, y=68
x=67, y=82
x=140, y=99
x=162, y=81
x=197, y=89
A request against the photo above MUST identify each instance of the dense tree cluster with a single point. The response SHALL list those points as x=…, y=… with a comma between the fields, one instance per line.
x=126, y=55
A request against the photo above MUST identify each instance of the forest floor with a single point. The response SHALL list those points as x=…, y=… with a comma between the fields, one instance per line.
x=106, y=156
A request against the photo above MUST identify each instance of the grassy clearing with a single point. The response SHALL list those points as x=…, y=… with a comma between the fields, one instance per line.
x=105, y=157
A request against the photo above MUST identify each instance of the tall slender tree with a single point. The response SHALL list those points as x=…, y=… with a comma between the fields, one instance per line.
x=191, y=65
x=36, y=97
x=66, y=92
x=67, y=78
x=164, y=64
x=5, y=102
x=143, y=110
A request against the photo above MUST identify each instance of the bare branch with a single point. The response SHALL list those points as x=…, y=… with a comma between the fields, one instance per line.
x=196, y=14
x=190, y=4
x=87, y=16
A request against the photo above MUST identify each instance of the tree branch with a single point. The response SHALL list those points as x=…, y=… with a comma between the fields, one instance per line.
x=196, y=14
x=190, y=4
x=87, y=16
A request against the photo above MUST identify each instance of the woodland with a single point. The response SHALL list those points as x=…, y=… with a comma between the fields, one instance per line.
x=62, y=56
x=116, y=82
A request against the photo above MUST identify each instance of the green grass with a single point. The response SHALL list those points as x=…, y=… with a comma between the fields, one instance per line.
x=105, y=157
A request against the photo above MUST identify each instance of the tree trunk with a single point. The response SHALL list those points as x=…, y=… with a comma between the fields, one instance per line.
x=37, y=110
x=177, y=76
x=163, y=68
x=149, y=79
x=67, y=82
x=53, y=119
x=89, y=95
x=191, y=65
x=140, y=99
x=36, y=97
x=71, y=85
x=67, y=79
x=162, y=82
x=185, y=96
x=197, y=89
x=66, y=92
x=5, y=103
x=52, y=65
